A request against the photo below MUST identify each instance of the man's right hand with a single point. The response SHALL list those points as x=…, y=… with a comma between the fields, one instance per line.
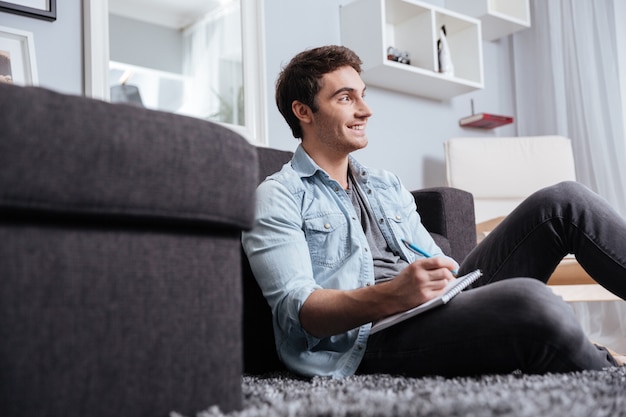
x=328, y=312
x=421, y=281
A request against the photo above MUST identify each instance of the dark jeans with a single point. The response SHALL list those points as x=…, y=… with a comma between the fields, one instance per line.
x=506, y=323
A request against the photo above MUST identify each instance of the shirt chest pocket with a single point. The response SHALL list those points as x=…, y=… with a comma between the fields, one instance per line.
x=327, y=237
x=398, y=220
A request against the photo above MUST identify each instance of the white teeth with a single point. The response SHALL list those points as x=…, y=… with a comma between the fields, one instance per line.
x=359, y=127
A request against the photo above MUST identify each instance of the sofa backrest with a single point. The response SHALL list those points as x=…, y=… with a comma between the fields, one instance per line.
x=119, y=258
x=258, y=334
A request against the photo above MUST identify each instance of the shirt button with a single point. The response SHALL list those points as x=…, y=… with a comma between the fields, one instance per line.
x=368, y=284
x=365, y=249
x=369, y=191
x=398, y=217
x=359, y=347
x=381, y=221
x=327, y=226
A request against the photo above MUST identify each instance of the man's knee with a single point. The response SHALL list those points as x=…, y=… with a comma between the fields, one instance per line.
x=566, y=192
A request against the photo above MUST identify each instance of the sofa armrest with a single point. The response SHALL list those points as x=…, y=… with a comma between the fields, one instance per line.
x=119, y=258
x=449, y=212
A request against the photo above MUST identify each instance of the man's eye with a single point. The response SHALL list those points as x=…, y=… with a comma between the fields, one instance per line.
x=344, y=98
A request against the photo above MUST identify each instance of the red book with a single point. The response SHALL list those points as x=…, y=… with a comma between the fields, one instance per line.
x=485, y=120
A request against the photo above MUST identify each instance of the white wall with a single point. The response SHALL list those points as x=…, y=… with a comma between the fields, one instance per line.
x=145, y=44
x=58, y=45
x=406, y=133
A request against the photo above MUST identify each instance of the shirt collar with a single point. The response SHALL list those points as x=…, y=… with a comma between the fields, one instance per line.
x=305, y=166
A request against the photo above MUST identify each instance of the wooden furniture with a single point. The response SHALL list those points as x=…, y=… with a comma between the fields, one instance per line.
x=573, y=283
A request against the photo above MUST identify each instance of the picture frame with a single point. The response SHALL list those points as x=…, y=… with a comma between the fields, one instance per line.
x=17, y=57
x=40, y=9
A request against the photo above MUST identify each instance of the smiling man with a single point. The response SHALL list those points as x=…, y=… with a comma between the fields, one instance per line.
x=326, y=251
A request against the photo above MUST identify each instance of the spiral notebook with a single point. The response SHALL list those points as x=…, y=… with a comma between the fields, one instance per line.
x=452, y=289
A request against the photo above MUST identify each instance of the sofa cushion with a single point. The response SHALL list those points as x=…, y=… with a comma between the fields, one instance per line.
x=132, y=174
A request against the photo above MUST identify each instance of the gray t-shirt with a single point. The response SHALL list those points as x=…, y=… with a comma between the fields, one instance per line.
x=386, y=263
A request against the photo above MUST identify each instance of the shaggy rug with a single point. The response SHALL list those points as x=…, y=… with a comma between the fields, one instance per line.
x=580, y=394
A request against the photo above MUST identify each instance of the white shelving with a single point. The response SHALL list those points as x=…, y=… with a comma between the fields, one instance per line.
x=499, y=17
x=369, y=27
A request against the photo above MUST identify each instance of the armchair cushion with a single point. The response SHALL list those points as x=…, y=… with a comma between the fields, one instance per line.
x=501, y=171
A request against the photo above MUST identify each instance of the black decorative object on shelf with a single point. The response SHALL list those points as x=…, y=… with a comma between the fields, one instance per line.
x=397, y=55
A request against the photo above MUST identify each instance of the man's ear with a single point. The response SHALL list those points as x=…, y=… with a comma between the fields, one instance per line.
x=301, y=111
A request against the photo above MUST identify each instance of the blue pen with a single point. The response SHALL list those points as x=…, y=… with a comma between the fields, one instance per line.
x=415, y=249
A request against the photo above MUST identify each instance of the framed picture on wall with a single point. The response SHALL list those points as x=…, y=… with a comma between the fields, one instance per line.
x=40, y=9
x=17, y=57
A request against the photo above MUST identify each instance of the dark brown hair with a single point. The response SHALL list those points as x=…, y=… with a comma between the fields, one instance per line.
x=301, y=79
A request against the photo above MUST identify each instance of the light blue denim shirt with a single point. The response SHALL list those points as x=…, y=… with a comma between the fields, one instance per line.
x=307, y=236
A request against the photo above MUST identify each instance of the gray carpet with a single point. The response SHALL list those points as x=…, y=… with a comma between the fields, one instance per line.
x=584, y=394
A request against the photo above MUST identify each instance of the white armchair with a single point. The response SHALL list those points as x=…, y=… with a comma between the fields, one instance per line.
x=500, y=172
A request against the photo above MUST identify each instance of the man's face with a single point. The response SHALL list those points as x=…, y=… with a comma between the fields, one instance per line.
x=339, y=124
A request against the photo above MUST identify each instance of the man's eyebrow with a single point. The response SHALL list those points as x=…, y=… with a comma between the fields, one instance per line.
x=346, y=89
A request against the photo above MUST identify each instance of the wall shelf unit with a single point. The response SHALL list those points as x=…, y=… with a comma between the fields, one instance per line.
x=499, y=18
x=369, y=27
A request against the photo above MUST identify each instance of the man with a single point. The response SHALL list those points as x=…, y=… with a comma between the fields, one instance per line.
x=326, y=251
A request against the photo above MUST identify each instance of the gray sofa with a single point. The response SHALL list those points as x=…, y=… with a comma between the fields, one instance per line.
x=123, y=289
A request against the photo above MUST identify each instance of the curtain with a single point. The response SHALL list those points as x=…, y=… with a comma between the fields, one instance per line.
x=212, y=61
x=567, y=83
